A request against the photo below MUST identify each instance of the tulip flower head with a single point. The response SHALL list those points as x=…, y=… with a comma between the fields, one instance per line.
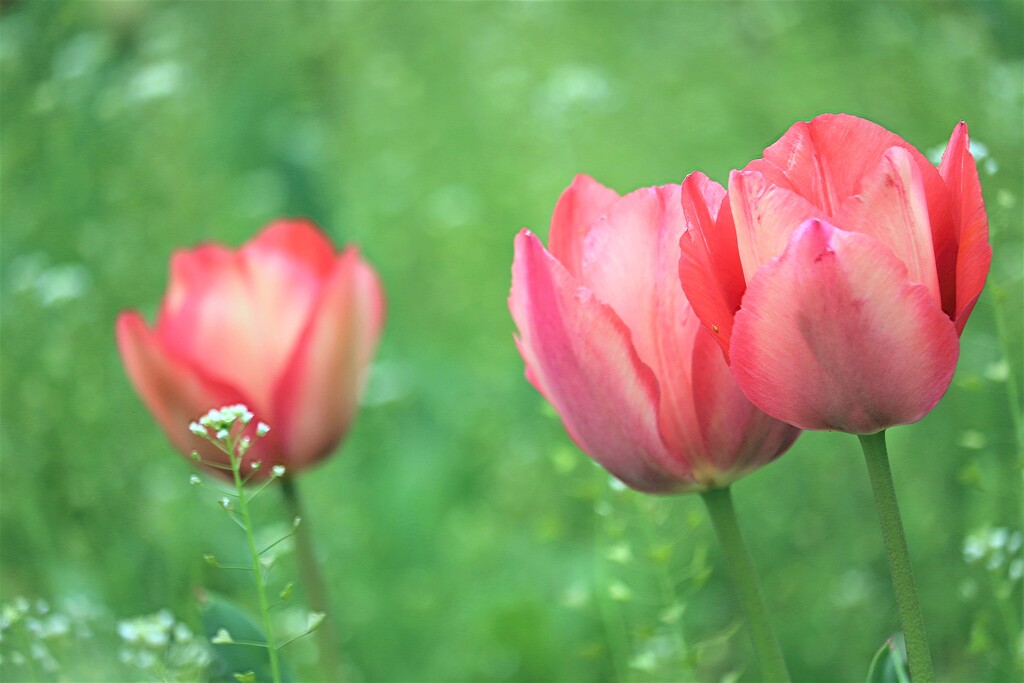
x=284, y=326
x=839, y=272
x=610, y=340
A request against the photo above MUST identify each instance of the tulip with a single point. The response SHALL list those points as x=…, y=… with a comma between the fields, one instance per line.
x=839, y=272
x=285, y=326
x=610, y=340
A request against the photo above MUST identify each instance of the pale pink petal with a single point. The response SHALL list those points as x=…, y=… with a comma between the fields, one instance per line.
x=582, y=203
x=319, y=391
x=892, y=208
x=285, y=268
x=208, y=319
x=176, y=392
x=765, y=215
x=631, y=262
x=579, y=356
x=835, y=335
x=709, y=263
x=736, y=436
x=973, y=252
x=239, y=315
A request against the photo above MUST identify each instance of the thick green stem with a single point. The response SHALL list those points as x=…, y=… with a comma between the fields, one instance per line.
x=313, y=583
x=257, y=566
x=723, y=517
x=895, y=541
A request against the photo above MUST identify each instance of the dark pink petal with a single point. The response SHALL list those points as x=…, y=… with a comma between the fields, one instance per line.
x=174, y=391
x=579, y=356
x=893, y=209
x=973, y=252
x=318, y=393
x=582, y=203
x=736, y=436
x=709, y=263
x=834, y=335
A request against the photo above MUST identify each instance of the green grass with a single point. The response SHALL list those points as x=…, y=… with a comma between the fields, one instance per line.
x=464, y=537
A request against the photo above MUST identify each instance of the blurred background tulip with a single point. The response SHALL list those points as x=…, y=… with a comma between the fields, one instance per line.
x=610, y=340
x=842, y=272
x=284, y=326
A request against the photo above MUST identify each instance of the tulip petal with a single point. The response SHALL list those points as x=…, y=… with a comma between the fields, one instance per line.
x=299, y=242
x=582, y=203
x=709, y=263
x=318, y=393
x=737, y=436
x=578, y=354
x=974, y=254
x=893, y=209
x=834, y=335
x=631, y=262
x=176, y=392
x=765, y=216
x=238, y=315
x=824, y=159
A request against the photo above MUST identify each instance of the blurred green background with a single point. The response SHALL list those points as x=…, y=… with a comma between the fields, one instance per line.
x=465, y=538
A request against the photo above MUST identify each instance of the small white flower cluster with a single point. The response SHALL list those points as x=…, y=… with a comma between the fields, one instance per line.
x=222, y=427
x=157, y=641
x=222, y=420
x=42, y=626
x=996, y=547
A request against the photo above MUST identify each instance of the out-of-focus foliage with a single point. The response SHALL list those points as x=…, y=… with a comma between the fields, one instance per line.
x=464, y=537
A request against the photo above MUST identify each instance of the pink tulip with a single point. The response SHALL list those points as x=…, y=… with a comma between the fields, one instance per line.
x=284, y=325
x=609, y=339
x=840, y=272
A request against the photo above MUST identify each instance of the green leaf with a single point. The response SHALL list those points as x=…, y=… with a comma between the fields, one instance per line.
x=888, y=665
x=233, y=658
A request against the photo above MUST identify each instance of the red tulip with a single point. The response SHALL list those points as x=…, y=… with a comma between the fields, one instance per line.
x=284, y=325
x=840, y=272
x=609, y=339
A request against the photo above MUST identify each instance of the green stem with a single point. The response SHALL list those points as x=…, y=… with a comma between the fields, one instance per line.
x=257, y=567
x=723, y=518
x=907, y=604
x=313, y=582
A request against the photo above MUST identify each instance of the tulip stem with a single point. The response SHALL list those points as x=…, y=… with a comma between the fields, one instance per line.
x=723, y=518
x=895, y=540
x=313, y=582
